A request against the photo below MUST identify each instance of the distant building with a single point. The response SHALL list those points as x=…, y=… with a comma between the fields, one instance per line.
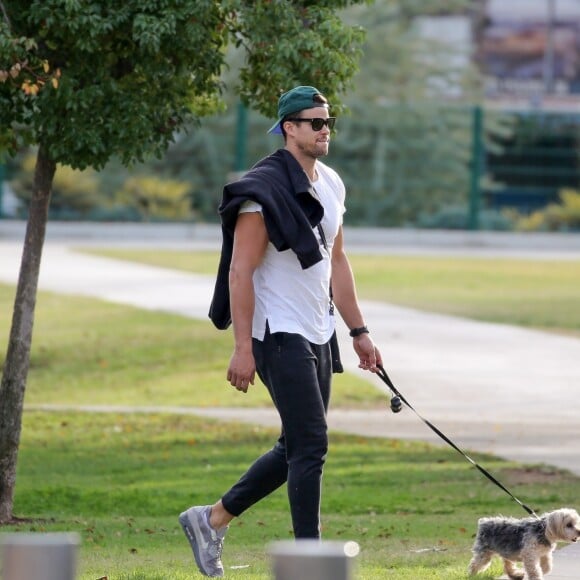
x=529, y=52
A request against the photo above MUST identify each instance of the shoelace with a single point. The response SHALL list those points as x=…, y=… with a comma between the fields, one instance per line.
x=216, y=547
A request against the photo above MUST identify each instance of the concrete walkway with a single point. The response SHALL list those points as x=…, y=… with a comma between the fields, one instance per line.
x=490, y=387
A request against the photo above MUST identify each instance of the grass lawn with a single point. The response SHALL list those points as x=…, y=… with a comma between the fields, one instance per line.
x=88, y=351
x=535, y=293
x=121, y=480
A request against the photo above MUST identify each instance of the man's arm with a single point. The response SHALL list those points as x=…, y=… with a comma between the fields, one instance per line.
x=250, y=243
x=345, y=298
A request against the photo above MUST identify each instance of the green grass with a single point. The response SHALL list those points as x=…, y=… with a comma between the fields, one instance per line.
x=121, y=480
x=93, y=352
x=534, y=293
x=201, y=262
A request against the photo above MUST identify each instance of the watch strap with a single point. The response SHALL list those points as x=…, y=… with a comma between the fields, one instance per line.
x=358, y=331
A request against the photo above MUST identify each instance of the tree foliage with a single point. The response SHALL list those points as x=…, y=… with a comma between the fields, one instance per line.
x=130, y=74
x=408, y=139
x=403, y=150
x=88, y=80
x=306, y=38
x=127, y=75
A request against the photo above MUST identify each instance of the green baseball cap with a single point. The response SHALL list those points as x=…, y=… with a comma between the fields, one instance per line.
x=293, y=101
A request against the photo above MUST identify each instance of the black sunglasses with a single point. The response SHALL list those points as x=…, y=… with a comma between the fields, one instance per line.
x=316, y=123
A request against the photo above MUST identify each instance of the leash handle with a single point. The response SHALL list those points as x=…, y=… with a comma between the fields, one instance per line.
x=385, y=378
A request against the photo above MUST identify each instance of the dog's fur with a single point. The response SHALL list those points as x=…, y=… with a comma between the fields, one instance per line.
x=529, y=540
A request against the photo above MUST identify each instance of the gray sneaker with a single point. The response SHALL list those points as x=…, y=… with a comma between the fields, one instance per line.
x=205, y=542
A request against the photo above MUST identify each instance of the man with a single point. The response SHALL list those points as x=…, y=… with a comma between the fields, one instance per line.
x=282, y=270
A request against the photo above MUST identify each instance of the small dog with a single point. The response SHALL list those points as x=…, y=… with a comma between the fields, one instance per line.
x=529, y=540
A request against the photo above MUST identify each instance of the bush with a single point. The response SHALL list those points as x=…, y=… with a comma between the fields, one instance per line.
x=74, y=193
x=556, y=217
x=456, y=217
x=152, y=198
x=79, y=195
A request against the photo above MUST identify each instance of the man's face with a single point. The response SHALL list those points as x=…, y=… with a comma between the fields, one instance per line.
x=302, y=135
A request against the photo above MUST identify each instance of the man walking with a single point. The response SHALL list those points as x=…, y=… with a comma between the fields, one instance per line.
x=283, y=269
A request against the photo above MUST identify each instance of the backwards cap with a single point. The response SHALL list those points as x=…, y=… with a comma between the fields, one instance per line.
x=293, y=101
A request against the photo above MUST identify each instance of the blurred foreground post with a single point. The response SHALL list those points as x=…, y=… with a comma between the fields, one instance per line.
x=313, y=560
x=39, y=556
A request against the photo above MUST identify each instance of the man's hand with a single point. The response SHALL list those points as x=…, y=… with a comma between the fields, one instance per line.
x=242, y=370
x=368, y=354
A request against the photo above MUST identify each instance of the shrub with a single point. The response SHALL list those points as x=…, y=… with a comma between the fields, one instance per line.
x=562, y=217
x=153, y=198
x=456, y=217
x=74, y=193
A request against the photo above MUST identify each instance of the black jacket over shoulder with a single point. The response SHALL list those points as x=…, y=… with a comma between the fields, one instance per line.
x=280, y=185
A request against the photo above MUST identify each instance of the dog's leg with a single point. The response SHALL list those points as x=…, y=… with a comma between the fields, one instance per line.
x=546, y=563
x=479, y=562
x=531, y=562
x=512, y=571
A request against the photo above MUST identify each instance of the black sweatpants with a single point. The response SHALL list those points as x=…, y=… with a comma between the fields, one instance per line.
x=297, y=374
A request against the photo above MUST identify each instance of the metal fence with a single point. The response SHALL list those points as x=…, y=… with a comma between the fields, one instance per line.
x=430, y=165
x=443, y=166
x=540, y=158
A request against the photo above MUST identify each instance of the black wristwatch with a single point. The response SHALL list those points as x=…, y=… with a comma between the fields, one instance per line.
x=358, y=331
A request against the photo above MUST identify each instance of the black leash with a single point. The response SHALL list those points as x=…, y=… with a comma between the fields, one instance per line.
x=396, y=407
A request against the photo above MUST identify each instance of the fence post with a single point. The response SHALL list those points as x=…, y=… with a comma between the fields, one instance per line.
x=32, y=556
x=313, y=560
x=476, y=167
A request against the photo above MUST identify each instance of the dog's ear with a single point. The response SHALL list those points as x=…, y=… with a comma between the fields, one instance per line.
x=553, y=525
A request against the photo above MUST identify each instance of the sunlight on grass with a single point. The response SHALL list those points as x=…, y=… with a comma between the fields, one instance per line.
x=121, y=480
x=535, y=293
x=87, y=351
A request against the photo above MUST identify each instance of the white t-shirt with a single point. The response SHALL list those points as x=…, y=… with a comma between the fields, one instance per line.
x=289, y=298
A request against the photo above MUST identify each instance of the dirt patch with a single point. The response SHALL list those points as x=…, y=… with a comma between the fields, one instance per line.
x=537, y=474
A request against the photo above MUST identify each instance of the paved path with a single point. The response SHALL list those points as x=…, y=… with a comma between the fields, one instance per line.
x=490, y=387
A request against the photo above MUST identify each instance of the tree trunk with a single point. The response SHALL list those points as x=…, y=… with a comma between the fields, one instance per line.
x=18, y=354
